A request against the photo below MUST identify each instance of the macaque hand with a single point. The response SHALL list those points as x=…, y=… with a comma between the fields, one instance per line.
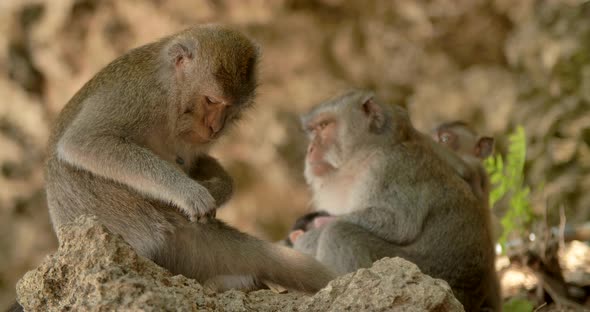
x=293, y=236
x=199, y=205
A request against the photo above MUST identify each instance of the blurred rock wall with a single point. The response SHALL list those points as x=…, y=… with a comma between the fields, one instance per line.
x=495, y=64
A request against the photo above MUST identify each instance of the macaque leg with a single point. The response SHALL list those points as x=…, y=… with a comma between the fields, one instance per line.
x=224, y=258
x=203, y=250
x=338, y=251
x=345, y=247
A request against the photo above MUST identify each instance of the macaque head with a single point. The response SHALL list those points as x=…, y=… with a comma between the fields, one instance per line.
x=461, y=138
x=213, y=80
x=307, y=222
x=343, y=128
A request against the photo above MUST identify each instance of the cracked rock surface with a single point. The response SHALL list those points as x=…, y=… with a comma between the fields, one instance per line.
x=94, y=270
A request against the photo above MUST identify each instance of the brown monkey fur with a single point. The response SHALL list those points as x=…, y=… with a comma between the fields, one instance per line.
x=131, y=148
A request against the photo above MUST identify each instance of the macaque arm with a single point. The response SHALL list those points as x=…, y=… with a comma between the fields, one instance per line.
x=117, y=158
x=391, y=224
x=209, y=173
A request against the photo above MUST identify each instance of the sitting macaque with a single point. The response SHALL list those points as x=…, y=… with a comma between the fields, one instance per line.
x=392, y=192
x=468, y=152
x=131, y=148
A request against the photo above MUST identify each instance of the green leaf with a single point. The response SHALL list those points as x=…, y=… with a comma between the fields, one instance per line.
x=518, y=305
x=507, y=179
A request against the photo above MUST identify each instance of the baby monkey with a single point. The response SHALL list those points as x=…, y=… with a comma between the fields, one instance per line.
x=473, y=149
x=308, y=221
x=459, y=137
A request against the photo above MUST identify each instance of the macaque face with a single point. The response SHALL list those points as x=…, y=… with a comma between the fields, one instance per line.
x=337, y=129
x=456, y=138
x=203, y=121
x=322, y=131
x=214, y=113
x=211, y=95
x=463, y=141
x=448, y=138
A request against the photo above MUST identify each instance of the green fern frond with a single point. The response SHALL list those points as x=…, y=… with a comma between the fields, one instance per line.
x=508, y=180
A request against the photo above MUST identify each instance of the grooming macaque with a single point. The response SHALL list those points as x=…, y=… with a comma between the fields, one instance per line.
x=209, y=173
x=393, y=195
x=131, y=149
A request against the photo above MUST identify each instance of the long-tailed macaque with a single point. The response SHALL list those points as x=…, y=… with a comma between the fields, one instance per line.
x=131, y=148
x=473, y=149
x=464, y=152
x=393, y=195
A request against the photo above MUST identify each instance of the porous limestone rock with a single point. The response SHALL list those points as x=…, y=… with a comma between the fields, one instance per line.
x=391, y=284
x=94, y=270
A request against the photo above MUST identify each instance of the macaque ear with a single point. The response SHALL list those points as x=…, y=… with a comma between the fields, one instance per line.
x=375, y=114
x=179, y=53
x=249, y=69
x=484, y=147
x=303, y=121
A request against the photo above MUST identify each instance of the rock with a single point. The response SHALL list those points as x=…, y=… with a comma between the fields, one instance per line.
x=94, y=270
x=392, y=284
x=575, y=262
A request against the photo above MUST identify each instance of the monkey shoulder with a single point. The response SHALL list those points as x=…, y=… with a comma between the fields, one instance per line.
x=413, y=170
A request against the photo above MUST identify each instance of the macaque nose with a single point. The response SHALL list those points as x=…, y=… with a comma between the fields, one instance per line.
x=217, y=123
x=216, y=127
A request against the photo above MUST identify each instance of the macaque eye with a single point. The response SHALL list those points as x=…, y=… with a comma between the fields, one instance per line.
x=210, y=100
x=446, y=138
x=323, y=125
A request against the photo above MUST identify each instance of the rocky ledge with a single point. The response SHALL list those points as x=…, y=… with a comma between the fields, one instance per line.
x=95, y=270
